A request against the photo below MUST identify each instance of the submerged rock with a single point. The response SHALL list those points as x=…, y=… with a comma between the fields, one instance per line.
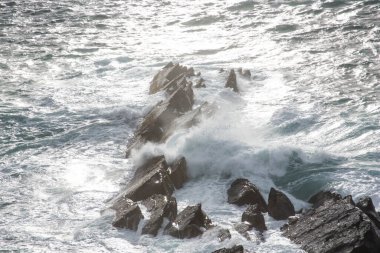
x=243, y=192
x=234, y=249
x=336, y=225
x=223, y=234
x=160, y=207
x=200, y=83
x=128, y=215
x=243, y=228
x=231, y=81
x=279, y=205
x=253, y=216
x=191, y=222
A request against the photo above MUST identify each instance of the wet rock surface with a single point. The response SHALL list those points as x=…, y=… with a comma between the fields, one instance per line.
x=336, y=225
x=160, y=207
x=366, y=205
x=168, y=73
x=319, y=198
x=191, y=222
x=279, y=205
x=253, y=216
x=243, y=192
x=234, y=249
x=128, y=215
x=154, y=177
x=223, y=234
x=231, y=81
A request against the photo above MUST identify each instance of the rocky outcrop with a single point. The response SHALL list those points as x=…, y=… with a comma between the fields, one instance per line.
x=243, y=192
x=279, y=205
x=160, y=207
x=366, y=205
x=322, y=196
x=231, y=81
x=156, y=125
x=167, y=74
x=234, y=249
x=191, y=222
x=253, y=216
x=336, y=225
x=154, y=177
x=128, y=215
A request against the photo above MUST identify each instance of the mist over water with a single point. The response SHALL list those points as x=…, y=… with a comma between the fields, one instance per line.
x=74, y=79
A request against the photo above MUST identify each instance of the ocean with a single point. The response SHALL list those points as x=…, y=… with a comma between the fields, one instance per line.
x=74, y=81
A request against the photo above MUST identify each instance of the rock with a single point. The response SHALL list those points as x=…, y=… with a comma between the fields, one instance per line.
x=128, y=215
x=189, y=223
x=231, y=81
x=160, y=206
x=243, y=228
x=221, y=70
x=254, y=217
x=243, y=192
x=366, y=205
x=159, y=120
x=182, y=99
x=165, y=75
x=234, y=249
x=188, y=120
x=334, y=226
x=178, y=172
x=322, y=196
x=279, y=205
x=149, y=179
x=223, y=234
x=200, y=83
x=246, y=73
x=190, y=72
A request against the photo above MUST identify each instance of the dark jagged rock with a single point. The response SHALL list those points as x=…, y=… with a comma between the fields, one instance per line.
x=322, y=196
x=243, y=228
x=279, y=205
x=159, y=206
x=189, y=223
x=165, y=75
x=231, y=81
x=149, y=179
x=159, y=120
x=128, y=215
x=223, y=234
x=366, y=205
x=254, y=217
x=243, y=192
x=234, y=249
x=335, y=226
x=200, y=83
x=178, y=172
x=182, y=99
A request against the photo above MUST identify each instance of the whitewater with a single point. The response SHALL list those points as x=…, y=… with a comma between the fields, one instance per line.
x=74, y=80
